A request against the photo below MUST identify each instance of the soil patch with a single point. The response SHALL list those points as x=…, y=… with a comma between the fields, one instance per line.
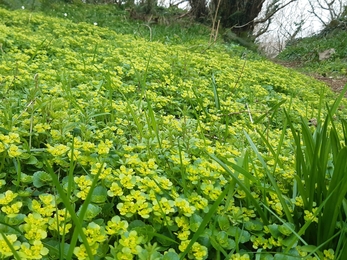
x=335, y=83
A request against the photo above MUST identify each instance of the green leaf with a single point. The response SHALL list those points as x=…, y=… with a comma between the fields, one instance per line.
x=337, y=191
x=14, y=252
x=136, y=223
x=99, y=194
x=91, y=212
x=25, y=156
x=290, y=241
x=273, y=108
x=254, y=225
x=147, y=232
x=32, y=160
x=24, y=178
x=244, y=236
x=280, y=256
x=222, y=238
x=15, y=220
x=55, y=248
x=274, y=230
x=338, y=100
x=286, y=229
x=195, y=222
x=223, y=222
x=272, y=180
x=4, y=131
x=171, y=256
x=263, y=256
x=77, y=131
x=217, y=246
x=164, y=239
x=41, y=178
x=240, y=235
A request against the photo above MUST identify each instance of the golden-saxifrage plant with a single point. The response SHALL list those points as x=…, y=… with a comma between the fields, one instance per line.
x=105, y=142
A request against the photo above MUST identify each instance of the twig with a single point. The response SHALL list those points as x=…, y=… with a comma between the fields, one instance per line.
x=184, y=15
x=150, y=31
x=243, y=68
x=214, y=31
x=249, y=113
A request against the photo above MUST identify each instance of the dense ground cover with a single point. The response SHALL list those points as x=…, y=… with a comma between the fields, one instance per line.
x=117, y=147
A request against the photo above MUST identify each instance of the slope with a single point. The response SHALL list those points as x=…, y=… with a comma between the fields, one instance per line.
x=108, y=144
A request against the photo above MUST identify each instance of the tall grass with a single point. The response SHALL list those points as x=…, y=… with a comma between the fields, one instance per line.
x=320, y=180
x=320, y=177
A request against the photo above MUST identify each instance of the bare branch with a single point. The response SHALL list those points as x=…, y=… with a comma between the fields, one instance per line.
x=273, y=12
x=263, y=30
x=313, y=11
x=269, y=15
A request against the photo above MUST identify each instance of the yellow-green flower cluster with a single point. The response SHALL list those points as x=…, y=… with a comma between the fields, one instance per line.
x=46, y=207
x=83, y=182
x=9, y=143
x=139, y=120
x=6, y=250
x=60, y=222
x=198, y=251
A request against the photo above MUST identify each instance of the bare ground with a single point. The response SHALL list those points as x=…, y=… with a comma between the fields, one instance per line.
x=335, y=83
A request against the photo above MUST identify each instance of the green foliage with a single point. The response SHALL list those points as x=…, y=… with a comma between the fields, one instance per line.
x=320, y=156
x=306, y=51
x=114, y=146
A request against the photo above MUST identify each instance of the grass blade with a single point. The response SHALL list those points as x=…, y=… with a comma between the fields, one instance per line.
x=272, y=180
x=215, y=92
x=14, y=252
x=337, y=191
x=76, y=219
x=152, y=122
x=243, y=187
x=205, y=221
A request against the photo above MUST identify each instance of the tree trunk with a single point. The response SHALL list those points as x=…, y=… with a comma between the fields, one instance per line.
x=199, y=9
x=238, y=14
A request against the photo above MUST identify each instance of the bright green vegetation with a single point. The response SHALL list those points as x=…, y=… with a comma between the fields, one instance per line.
x=113, y=146
x=162, y=26
x=306, y=51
